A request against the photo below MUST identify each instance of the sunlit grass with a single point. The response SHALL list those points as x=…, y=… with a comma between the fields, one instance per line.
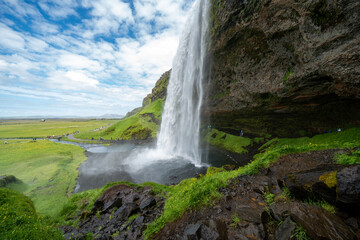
x=48, y=170
x=138, y=126
x=35, y=128
x=18, y=219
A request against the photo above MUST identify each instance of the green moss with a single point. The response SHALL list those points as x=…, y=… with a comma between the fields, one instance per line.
x=18, y=219
x=287, y=75
x=321, y=203
x=329, y=179
x=226, y=141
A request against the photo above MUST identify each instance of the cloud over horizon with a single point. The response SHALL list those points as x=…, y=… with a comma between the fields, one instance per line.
x=84, y=57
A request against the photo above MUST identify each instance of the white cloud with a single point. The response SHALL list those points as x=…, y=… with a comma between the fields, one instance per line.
x=92, y=63
x=58, y=9
x=10, y=38
x=108, y=16
x=74, y=61
x=36, y=44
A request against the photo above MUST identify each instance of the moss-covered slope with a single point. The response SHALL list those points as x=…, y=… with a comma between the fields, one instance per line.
x=142, y=125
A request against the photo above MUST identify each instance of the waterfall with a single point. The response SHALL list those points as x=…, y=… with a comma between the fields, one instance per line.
x=180, y=127
x=179, y=135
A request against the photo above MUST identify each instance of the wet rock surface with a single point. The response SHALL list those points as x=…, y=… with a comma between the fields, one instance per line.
x=285, y=67
x=121, y=212
x=243, y=212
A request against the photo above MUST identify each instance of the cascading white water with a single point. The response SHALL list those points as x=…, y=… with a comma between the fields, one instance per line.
x=179, y=133
x=180, y=126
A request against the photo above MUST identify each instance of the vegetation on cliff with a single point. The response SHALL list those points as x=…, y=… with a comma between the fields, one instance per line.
x=142, y=125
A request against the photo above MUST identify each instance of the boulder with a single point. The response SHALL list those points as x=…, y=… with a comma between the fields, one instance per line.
x=348, y=188
x=328, y=226
x=285, y=230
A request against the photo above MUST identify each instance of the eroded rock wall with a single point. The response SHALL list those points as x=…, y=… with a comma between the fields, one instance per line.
x=285, y=67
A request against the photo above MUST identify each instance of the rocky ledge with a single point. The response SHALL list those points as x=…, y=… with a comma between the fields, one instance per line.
x=121, y=212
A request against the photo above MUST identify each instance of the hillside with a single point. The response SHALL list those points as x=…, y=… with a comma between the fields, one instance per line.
x=141, y=123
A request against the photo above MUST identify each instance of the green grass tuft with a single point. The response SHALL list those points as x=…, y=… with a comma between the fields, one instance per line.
x=348, y=159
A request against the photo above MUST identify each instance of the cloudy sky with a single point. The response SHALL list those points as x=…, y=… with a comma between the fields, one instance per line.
x=84, y=57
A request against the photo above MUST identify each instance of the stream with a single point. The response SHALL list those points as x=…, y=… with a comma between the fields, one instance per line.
x=106, y=164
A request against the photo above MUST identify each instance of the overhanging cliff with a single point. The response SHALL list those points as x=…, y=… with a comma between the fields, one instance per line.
x=285, y=67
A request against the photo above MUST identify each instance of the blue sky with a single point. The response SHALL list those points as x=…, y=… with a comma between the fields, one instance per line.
x=84, y=57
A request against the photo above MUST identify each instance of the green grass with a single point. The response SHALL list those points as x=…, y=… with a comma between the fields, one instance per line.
x=348, y=159
x=138, y=126
x=323, y=204
x=35, y=128
x=226, y=141
x=194, y=193
x=48, y=170
x=18, y=219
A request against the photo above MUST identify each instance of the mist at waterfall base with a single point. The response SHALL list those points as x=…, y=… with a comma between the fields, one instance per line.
x=106, y=164
x=177, y=153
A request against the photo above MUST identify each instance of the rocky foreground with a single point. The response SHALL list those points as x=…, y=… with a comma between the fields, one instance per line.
x=284, y=201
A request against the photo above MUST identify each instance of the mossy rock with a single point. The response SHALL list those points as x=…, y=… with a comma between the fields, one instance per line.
x=5, y=180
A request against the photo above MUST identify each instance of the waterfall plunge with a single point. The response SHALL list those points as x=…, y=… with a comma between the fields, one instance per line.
x=179, y=133
x=180, y=126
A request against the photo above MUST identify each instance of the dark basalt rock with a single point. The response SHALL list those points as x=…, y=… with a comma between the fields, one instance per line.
x=337, y=184
x=348, y=188
x=284, y=67
x=310, y=182
x=147, y=203
x=285, y=230
x=320, y=224
x=121, y=212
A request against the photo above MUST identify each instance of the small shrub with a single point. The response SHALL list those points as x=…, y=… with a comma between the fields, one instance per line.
x=300, y=234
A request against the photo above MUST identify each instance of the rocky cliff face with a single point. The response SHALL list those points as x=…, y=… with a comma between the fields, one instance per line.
x=159, y=91
x=285, y=67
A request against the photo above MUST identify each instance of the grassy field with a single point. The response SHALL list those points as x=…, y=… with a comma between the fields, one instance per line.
x=48, y=170
x=18, y=219
x=35, y=128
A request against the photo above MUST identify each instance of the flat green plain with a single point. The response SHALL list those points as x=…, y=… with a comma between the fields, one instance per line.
x=38, y=129
x=48, y=171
